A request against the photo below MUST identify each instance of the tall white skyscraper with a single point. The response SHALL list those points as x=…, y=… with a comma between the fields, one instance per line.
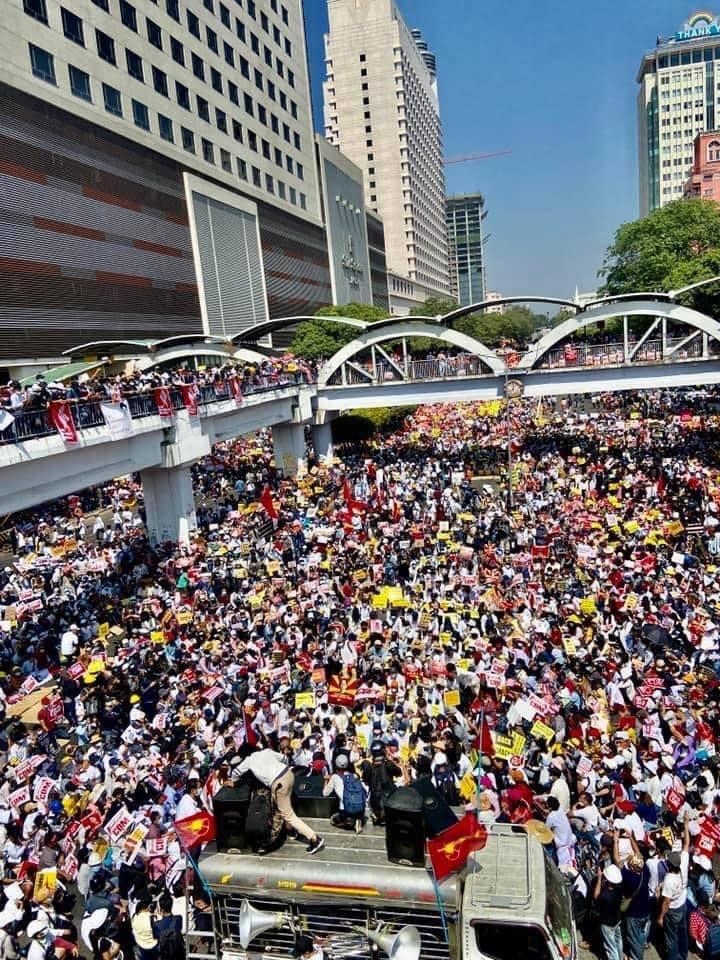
x=382, y=110
x=679, y=89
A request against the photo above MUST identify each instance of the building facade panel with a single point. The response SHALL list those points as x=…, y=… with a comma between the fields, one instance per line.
x=378, y=261
x=466, y=248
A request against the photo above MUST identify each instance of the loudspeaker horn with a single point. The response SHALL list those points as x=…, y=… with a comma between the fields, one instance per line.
x=403, y=945
x=253, y=922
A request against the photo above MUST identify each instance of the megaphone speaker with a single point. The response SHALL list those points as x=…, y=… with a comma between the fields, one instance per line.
x=403, y=945
x=405, y=827
x=253, y=922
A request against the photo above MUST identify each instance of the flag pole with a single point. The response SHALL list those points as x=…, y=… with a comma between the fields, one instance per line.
x=441, y=908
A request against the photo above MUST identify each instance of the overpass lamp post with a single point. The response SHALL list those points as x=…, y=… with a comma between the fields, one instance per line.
x=513, y=391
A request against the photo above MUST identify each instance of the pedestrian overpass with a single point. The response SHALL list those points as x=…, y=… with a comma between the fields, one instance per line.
x=380, y=366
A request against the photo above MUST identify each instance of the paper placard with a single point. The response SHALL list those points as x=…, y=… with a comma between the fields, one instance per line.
x=451, y=698
x=304, y=701
x=542, y=731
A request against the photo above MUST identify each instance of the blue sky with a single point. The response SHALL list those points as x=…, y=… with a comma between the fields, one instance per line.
x=555, y=83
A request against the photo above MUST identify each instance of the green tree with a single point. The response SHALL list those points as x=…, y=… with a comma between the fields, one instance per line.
x=435, y=307
x=672, y=247
x=321, y=338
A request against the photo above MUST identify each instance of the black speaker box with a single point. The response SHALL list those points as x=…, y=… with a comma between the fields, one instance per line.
x=308, y=800
x=230, y=805
x=405, y=827
x=437, y=812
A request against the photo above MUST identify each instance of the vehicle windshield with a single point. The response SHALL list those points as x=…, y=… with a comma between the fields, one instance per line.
x=558, y=910
x=510, y=941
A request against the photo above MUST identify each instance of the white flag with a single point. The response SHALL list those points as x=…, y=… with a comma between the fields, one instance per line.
x=6, y=420
x=118, y=419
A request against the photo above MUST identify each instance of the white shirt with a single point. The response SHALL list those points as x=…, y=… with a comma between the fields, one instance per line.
x=186, y=807
x=266, y=765
x=674, y=885
x=561, y=790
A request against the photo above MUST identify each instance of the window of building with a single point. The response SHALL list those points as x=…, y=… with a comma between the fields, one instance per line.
x=208, y=4
x=286, y=133
x=271, y=89
x=166, y=128
x=134, y=65
x=160, y=82
x=281, y=189
x=225, y=160
x=203, y=109
x=105, y=47
x=182, y=95
x=278, y=156
x=178, y=51
x=221, y=120
x=293, y=196
x=193, y=24
x=368, y=143
x=173, y=10
x=240, y=29
x=276, y=35
x=36, y=9
x=79, y=83
x=237, y=130
x=269, y=183
x=264, y=22
x=248, y=102
x=284, y=16
x=233, y=93
x=241, y=168
x=274, y=123
x=279, y=68
x=262, y=114
x=154, y=34
x=188, y=139
x=288, y=47
x=713, y=151
x=267, y=54
x=293, y=110
x=299, y=171
x=208, y=151
x=256, y=177
x=72, y=27
x=303, y=202
x=229, y=54
x=252, y=141
x=103, y=4
x=297, y=142
x=254, y=44
x=258, y=79
x=216, y=80
x=112, y=100
x=140, y=115
x=364, y=86
x=251, y=9
x=289, y=164
x=283, y=100
x=266, y=149
x=224, y=16
x=212, y=40
x=244, y=67
x=198, y=66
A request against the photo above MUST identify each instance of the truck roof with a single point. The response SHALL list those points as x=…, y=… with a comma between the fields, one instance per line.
x=506, y=879
x=350, y=865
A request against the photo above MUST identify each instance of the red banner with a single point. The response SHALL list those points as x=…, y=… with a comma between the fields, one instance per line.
x=164, y=402
x=61, y=418
x=268, y=505
x=190, y=396
x=674, y=800
x=450, y=850
x=197, y=828
x=236, y=390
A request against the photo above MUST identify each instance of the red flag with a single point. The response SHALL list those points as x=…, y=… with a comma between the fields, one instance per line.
x=450, y=849
x=236, y=390
x=267, y=502
x=343, y=689
x=347, y=491
x=197, y=828
x=61, y=418
x=483, y=742
x=189, y=393
x=163, y=401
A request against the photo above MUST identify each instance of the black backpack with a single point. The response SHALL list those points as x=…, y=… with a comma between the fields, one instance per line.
x=171, y=945
x=259, y=822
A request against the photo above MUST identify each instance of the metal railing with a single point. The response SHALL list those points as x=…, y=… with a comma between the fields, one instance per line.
x=607, y=354
x=34, y=424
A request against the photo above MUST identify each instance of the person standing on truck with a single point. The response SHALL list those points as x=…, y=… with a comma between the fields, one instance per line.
x=348, y=788
x=270, y=769
x=378, y=774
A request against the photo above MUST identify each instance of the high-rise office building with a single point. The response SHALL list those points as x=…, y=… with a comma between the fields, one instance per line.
x=465, y=215
x=678, y=99
x=381, y=108
x=157, y=170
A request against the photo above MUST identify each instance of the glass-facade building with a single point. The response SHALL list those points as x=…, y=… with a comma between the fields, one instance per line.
x=678, y=99
x=465, y=215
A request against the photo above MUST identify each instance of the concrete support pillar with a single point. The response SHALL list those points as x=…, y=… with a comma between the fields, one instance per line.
x=322, y=440
x=289, y=448
x=169, y=504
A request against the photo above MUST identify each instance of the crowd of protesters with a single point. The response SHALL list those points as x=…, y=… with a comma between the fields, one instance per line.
x=548, y=657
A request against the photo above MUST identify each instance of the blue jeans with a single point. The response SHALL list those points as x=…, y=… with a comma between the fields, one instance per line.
x=635, y=936
x=612, y=941
x=676, y=937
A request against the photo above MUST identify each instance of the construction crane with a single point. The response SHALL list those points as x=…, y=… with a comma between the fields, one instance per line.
x=475, y=156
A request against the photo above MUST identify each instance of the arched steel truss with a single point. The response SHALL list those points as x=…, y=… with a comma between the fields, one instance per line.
x=343, y=368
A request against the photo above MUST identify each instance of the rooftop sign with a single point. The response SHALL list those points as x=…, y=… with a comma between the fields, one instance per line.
x=699, y=25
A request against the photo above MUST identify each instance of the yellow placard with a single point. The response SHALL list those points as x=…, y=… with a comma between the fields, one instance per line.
x=185, y=616
x=569, y=646
x=362, y=741
x=518, y=744
x=404, y=753
x=45, y=883
x=379, y=601
x=542, y=731
x=157, y=636
x=434, y=709
x=468, y=787
x=463, y=664
x=103, y=630
x=451, y=698
x=304, y=701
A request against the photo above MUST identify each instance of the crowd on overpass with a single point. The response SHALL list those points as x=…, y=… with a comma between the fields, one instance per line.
x=548, y=658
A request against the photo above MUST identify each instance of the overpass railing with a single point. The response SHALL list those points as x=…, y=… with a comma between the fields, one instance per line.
x=570, y=354
x=34, y=424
